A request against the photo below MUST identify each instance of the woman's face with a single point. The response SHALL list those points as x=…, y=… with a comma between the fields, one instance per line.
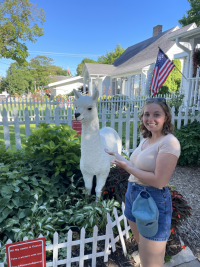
x=154, y=118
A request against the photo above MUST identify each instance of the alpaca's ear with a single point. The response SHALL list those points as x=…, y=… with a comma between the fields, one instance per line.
x=77, y=94
x=95, y=95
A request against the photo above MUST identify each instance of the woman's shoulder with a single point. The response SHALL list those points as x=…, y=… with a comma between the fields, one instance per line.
x=170, y=138
x=170, y=144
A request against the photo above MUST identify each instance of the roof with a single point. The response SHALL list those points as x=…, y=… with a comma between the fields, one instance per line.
x=99, y=69
x=58, y=77
x=147, y=54
x=186, y=36
x=139, y=55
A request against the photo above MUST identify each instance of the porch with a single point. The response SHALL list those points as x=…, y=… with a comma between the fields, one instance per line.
x=188, y=42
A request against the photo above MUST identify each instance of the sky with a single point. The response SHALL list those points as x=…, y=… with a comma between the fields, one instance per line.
x=80, y=29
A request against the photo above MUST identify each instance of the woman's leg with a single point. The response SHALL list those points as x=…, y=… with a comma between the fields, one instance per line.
x=152, y=253
x=134, y=231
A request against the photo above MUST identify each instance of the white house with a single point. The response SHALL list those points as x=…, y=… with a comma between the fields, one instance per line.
x=187, y=41
x=131, y=73
x=65, y=86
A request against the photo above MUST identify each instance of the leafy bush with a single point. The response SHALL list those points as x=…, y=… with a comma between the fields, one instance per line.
x=189, y=138
x=29, y=208
x=176, y=101
x=55, y=149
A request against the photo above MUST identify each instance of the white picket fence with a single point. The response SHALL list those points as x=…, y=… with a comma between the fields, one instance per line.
x=194, y=90
x=121, y=103
x=109, y=238
x=106, y=119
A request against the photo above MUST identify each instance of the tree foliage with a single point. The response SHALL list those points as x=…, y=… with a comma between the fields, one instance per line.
x=20, y=78
x=193, y=15
x=41, y=67
x=110, y=57
x=81, y=65
x=173, y=81
x=19, y=22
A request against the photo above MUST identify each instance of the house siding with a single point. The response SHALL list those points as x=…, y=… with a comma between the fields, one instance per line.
x=106, y=83
x=65, y=89
x=150, y=69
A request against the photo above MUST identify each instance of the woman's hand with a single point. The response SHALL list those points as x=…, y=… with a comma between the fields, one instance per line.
x=120, y=161
x=122, y=164
x=112, y=153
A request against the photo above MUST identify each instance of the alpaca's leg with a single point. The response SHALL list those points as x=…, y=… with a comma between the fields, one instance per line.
x=88, y=178
x=101, y=180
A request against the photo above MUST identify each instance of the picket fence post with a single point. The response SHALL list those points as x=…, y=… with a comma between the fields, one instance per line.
x=27, y=123
x=120, y=231
x=6, y=129
x=94, y=246
x=135, y=128
x=69, y=248
x=55, y=249
x=17, y=130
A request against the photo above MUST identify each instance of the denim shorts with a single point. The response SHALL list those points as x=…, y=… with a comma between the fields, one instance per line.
x=162, y=198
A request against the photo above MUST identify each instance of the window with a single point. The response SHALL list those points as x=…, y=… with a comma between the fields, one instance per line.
x=135, y=85
x=116, y=86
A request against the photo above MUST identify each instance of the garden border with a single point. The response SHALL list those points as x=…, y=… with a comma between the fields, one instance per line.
x=109, y=235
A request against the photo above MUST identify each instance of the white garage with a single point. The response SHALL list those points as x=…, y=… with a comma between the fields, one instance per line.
x=65, y=86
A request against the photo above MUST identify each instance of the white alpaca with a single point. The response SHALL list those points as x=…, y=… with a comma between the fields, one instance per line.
x=94, y=160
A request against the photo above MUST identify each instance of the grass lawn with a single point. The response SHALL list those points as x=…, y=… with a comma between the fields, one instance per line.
x=31, y=109
x=12, y=135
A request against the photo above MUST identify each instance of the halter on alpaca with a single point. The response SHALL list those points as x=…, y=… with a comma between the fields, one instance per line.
x=94, y=160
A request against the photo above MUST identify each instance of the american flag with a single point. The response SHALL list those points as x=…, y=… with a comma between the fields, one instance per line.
x=162, y=69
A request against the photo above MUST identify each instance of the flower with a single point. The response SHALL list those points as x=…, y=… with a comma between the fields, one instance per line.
x=173, y=231
x=105, y=192
x=183, y=247
x=179, y=216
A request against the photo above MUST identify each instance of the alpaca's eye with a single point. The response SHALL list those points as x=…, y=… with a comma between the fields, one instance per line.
x=89, y=108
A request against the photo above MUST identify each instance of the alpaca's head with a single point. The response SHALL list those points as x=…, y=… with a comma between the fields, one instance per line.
x=86, y=109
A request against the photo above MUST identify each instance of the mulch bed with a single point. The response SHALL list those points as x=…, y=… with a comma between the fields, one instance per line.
x=117, y=259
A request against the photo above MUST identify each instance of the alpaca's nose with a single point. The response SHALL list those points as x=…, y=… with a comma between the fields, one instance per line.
x=77, y=115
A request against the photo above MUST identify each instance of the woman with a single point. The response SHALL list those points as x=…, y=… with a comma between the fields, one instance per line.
x=151, y=165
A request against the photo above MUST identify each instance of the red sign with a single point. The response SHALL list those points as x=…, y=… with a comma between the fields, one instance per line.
x=77, y=126
x=27, y=253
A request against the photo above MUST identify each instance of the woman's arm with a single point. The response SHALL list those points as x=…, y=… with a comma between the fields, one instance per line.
x=165, y=165
x=116, y=155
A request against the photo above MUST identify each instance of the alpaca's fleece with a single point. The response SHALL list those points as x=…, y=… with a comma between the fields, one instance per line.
x=94, y=160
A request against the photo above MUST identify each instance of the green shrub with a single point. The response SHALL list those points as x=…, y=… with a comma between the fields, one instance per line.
x=189, y=138
x=176, y=101
x=55, y=149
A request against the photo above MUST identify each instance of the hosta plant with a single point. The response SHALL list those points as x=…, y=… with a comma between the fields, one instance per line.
x=56, y=149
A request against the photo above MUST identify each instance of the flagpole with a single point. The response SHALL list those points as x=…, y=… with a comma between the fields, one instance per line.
x=173, y=63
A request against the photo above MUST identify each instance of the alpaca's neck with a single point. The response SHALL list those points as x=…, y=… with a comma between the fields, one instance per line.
x=90, y=137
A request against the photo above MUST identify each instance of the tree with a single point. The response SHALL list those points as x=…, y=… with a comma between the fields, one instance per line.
x=173, y=81
x=18, y=23
x=18, y=80
x=81, y=65
x=40, y=68
x=56, y=70
x=193, y=15
x=110, y=57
